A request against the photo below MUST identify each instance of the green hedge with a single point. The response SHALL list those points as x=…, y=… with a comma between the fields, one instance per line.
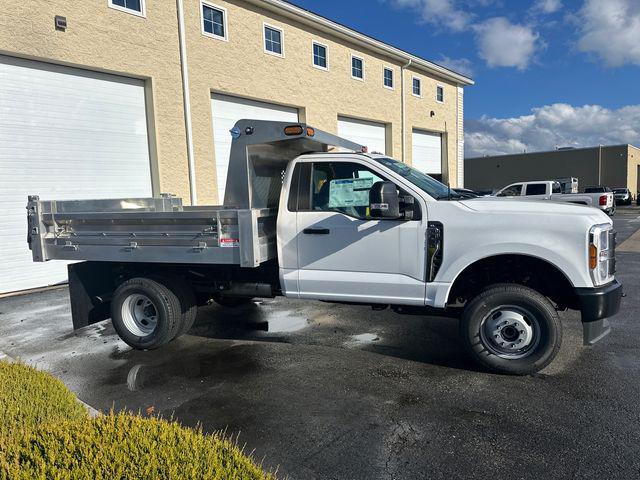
x=46, y=434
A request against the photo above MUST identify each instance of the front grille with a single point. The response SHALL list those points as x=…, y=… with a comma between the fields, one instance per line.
x=612, y=251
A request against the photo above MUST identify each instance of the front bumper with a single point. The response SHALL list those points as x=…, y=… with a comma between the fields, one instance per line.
x=597, y=305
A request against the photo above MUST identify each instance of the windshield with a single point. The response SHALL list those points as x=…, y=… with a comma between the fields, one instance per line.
x=424, y=182
x=620, y=190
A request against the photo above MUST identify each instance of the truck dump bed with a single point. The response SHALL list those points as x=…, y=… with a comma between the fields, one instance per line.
x=150, y=230
x=162, y=230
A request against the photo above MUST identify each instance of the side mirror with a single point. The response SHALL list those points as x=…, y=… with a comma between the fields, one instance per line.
x=384, y=201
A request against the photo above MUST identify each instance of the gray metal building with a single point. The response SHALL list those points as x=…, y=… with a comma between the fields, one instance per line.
x=611, y=166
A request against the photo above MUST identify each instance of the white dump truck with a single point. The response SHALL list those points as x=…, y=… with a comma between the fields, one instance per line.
x=305, y=221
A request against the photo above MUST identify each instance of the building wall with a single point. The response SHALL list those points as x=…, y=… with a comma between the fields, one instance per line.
x=610, y=166
x=95, y=40
x=633, y=169
x=101, y=38
x=292, y=80
x=484, y=173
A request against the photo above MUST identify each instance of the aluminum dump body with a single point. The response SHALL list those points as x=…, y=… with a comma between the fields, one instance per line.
x=150, y=230
x=163, y=230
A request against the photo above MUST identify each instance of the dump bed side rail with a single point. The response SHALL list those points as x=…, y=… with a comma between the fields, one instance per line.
x=154, y=230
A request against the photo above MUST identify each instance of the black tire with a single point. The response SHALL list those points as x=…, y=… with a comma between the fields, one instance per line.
x=492, y=340
x=233, y=302
x=188, y=303
x=130, y=296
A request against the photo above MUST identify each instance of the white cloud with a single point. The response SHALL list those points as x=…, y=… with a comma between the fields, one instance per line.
x=611, y=30
x=504, y=44
x=443, y=13
x=547, y=6
x=460, y=65
x=551, y=126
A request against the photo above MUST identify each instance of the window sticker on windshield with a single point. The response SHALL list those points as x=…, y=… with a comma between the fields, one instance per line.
x=349, y=192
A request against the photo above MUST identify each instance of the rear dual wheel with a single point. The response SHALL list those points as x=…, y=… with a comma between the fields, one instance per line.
x=150, y=312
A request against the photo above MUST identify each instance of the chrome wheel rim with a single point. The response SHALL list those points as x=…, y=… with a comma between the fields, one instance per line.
x=510, y=332
x=139, y=315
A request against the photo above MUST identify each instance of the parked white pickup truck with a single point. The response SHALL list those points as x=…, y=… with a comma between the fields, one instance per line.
x=551, y=190
x=305, y=222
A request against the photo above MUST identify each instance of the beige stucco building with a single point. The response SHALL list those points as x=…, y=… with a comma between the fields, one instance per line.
x=141, y=39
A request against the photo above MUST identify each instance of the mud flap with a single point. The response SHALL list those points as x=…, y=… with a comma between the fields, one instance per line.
x=90, y=284
x=593, y=332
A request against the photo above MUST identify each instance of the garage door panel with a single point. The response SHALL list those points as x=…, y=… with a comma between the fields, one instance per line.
x=64, y=134
x=369, y=134
x=427, y=152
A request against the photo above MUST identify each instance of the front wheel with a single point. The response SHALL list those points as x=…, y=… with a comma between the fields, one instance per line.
x=511, y=329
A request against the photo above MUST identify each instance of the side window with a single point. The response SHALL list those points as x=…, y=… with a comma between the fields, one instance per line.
x=511, y=191
x=556, y=187
x=342, y=187
x=536, y=189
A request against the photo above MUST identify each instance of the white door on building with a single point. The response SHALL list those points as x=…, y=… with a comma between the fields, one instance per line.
x=65, y=133
x=368, y=134
x=427, y=152
x=226, y=111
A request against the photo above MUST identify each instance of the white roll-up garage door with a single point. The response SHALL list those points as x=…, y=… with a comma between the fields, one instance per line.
x=368, y=134
x=427, y=152
x=226, y=111
x=65, y=133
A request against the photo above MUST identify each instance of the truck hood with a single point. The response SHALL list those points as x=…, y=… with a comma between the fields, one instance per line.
x=541, y=207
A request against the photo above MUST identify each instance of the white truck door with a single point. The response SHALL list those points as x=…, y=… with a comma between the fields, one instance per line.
x=342, y=254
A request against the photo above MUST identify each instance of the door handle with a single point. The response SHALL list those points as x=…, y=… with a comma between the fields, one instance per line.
x=316, y=231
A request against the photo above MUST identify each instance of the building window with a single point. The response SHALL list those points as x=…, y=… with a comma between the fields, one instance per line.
x=135, y=7
x=320, y=55
x=388, y=78
x=273, y=40
x=214, y=21
x=357, y=68
x=440, y=94
x=417, y=87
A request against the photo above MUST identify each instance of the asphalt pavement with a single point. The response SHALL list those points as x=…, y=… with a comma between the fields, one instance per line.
x=323, y=391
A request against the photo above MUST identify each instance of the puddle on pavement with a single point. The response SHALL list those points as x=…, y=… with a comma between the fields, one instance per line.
x=285, y=322
x=183, y=364
x=362, y=339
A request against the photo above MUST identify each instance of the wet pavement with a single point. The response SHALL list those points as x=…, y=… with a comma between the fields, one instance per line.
x=324, y=391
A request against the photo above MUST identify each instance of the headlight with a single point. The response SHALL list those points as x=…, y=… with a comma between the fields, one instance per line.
x=602, y=239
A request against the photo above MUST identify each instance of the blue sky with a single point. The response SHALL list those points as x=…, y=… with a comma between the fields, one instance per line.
x=548, y=73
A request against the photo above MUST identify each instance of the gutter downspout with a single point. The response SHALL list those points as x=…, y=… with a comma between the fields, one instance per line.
x=600, y=165
x=187, y=103
x=404, y=133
